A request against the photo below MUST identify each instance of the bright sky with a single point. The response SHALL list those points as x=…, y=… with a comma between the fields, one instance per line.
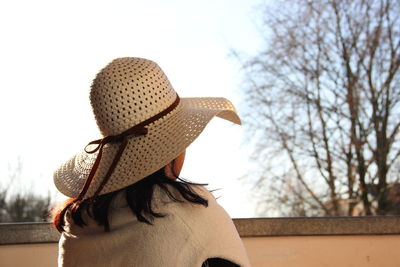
x=51, y=50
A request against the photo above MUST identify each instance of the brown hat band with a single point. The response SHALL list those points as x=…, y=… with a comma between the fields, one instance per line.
x=121, y=138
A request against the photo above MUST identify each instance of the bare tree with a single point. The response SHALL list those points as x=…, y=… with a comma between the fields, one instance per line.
x=324, y=108
x=17, y=205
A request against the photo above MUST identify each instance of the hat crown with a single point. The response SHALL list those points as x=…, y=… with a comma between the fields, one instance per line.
x=128, y=91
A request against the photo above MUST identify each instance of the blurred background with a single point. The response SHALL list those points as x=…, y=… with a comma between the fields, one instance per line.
x=316, y=84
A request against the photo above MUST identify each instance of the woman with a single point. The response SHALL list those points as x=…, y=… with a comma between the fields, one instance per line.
x=127, y=205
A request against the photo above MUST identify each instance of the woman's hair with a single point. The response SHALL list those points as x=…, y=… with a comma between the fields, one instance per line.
x=138, y=196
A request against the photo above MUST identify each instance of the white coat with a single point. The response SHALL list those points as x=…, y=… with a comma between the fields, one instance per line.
x=187, y=236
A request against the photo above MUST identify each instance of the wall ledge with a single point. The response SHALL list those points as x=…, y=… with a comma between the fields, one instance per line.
x=318, y=226
x=28, y=233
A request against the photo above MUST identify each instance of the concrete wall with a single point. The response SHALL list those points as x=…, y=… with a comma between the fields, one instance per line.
x=270, y=242
x=296, y=251
x=28, y=255
x=327, y=251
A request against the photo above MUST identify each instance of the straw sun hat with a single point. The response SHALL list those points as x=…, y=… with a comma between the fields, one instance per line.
x=144, y=123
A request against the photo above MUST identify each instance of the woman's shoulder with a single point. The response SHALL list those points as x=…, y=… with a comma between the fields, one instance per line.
x=188, y=210
x=203, y=191
x=165, y=197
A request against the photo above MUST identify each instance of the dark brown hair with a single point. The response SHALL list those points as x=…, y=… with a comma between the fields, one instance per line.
x=138, y=196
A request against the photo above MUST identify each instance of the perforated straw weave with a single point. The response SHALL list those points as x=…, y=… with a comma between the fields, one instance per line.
x=123, y=94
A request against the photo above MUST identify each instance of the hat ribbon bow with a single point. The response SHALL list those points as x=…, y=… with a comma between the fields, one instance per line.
x=122, y=138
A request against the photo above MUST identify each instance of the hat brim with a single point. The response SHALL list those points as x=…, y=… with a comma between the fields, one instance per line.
x=165, y=140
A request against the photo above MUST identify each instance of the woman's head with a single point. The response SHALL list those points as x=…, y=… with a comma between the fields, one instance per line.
x=138, y=196
x=144, y=123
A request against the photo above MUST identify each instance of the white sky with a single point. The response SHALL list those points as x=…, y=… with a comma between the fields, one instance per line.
x=51, y=50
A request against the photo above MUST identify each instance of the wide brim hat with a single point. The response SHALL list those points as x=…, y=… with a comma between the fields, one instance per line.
x=134, y=93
